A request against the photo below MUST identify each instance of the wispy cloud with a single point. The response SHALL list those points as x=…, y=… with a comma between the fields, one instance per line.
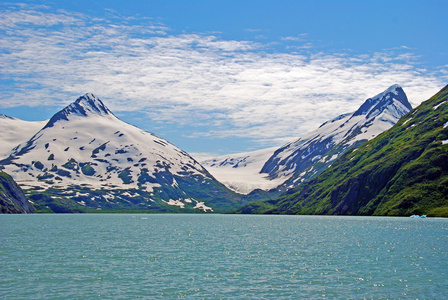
x=235, y=87
x=300, y=38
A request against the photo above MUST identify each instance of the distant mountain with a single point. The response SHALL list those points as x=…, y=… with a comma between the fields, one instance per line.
x=12, y=198
x=14, y=131
x=86, y=159
x=402, y=172
x=241, y=172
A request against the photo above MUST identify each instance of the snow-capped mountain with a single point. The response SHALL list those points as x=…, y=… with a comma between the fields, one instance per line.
x=311, y=154
x=241, y=172
x=308, y=156
x=85, y=148
x=14, y=131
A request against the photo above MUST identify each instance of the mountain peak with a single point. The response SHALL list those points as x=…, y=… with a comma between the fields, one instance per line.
x=89, y=103
x=393, y=89
x=375, y=105
x=313, y=153
x=84, y=106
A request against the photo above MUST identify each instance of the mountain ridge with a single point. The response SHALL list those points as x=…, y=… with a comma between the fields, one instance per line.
x=306, y=157
x=401, y=172
x=85, y=148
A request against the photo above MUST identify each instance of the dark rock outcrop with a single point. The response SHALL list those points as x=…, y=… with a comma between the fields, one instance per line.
x=12, y=198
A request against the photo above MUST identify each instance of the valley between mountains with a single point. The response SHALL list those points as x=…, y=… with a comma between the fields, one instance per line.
x=383, y=159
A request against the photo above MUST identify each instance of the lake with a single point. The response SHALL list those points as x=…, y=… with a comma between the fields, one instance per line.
x=212, y=256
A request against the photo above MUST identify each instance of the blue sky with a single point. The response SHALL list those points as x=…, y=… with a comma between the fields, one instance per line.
x=218, y=77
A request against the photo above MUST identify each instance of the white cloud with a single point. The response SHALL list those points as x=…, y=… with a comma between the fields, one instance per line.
x=301, y=38
x=192, y=79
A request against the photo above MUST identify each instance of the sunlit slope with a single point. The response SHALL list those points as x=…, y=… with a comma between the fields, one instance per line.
x=267, y=173
x=14, y=131
x=403, y=171
x=85, y=158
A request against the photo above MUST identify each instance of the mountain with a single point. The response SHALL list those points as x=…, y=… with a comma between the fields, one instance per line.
x=241, y=172
x=310, y=155
x=85, y=159
x=265, y=177
x=14, y=131
x=12, y=198
x=402, y=172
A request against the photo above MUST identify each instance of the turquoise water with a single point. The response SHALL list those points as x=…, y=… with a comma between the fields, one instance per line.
x=128, y=256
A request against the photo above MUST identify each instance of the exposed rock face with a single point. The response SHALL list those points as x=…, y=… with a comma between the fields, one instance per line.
x=12, y=198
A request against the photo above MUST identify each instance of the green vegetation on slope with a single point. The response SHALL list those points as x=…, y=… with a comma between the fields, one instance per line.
x=80, y=198
x=401, y=172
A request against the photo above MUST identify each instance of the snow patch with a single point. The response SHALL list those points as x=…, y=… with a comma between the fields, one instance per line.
x=316, y=158
x=127, y=194
x=172, y=202
x=438, y=105
x=201, y=205
x=78, y=194
x=405, y=122
x=334, y=157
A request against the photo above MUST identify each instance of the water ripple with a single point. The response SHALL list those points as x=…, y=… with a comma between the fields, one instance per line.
x=221, y=257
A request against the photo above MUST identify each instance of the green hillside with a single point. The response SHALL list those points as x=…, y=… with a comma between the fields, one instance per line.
x=403, y=171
